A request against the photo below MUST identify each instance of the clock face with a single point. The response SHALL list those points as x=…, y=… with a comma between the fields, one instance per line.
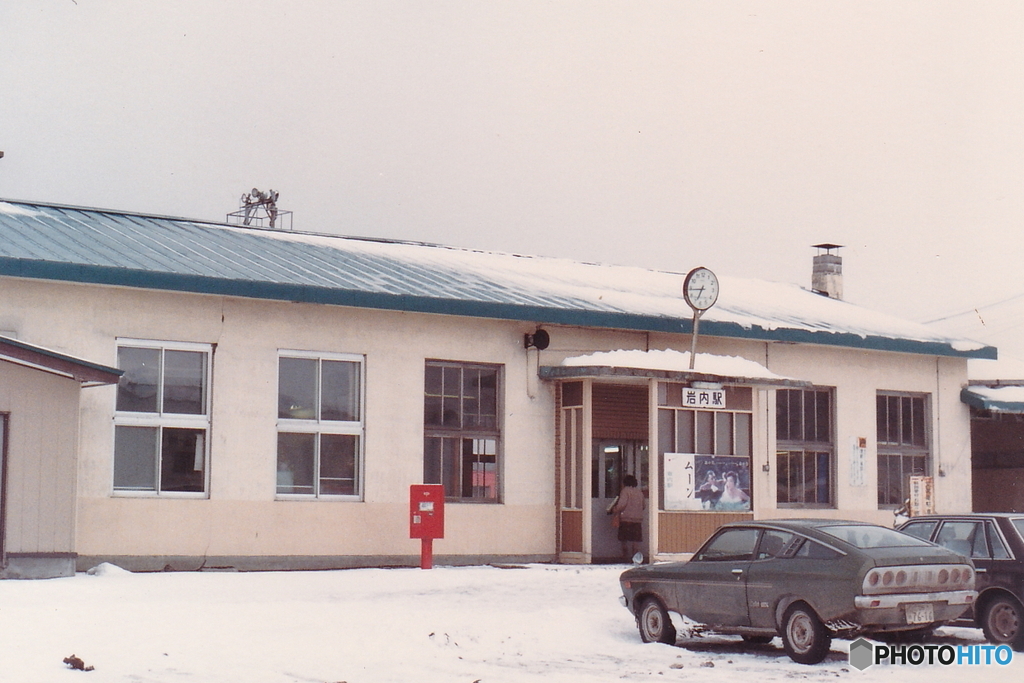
x=700, y=289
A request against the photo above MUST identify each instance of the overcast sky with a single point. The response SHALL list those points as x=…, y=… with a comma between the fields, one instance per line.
x=663, y=134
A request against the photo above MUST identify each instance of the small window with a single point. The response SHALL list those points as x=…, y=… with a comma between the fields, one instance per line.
x=816, y=551
x=730, y=545
x=999, y=551
x=774, y=544
x=965, y=538
x=922, y=530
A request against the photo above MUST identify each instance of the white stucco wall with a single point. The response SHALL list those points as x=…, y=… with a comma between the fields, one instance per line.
x=241, y=516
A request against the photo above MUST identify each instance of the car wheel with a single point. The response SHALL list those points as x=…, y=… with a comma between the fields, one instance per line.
x=804, y=637
x=654, y=623
x=1001, y=623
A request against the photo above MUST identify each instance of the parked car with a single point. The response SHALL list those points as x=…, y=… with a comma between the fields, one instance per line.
x=805, y=580
x=995, y=544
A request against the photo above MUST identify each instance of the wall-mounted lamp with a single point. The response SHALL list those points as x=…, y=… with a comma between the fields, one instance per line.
x=538, y=340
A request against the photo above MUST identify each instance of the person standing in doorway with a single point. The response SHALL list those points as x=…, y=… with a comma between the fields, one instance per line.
x=630, y=509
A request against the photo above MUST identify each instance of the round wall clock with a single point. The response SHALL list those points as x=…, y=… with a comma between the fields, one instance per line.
x=700, y=289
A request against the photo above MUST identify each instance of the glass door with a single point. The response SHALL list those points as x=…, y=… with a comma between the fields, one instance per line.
x=611, y=461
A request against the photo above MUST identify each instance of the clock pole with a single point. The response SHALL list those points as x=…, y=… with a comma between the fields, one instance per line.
x=700, y=289
x=693, y=337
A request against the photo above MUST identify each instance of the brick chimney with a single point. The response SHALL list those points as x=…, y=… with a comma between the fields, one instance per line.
x=827, y=271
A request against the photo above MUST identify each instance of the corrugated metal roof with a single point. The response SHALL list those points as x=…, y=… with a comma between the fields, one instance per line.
x=95, y=246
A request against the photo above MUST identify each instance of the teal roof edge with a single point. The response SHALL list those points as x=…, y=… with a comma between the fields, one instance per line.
x=279, y=291
x=981, y=403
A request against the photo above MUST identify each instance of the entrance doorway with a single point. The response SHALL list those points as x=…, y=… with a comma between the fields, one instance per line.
x=611, y=460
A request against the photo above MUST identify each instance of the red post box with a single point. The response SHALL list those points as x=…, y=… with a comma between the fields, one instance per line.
x=426, y=518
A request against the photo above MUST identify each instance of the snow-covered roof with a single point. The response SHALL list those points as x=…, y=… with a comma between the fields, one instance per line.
x=669, y=364
x=95, y=246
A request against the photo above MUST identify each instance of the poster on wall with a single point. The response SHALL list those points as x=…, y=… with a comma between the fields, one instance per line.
x=707, y=482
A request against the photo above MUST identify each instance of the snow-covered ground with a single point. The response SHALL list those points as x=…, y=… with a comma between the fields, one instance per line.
x=466, y=624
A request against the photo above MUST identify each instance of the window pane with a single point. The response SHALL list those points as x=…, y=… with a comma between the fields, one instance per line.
x=782, y=414
x=433, y=380
x=705, y=427
x=338, y=464
x=893, y=419
x=881, y=419
x=183, y=460
x=723, y=433
x=184, y=380
x=823, y=417
x=999, y=550
x=824, y=480
x=295, y=463
x=684, y=432
x=782, y=475
x=339, y=398
x=137, y=388
x=297, y=388
x=743, y=444
x=922, y=530
x=796, y=415
x=667, y=431
x=918, y=436
x=731, y=545
x=135, y=458
x=479, y=469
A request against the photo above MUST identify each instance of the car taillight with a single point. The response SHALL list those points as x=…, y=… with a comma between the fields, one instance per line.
x=918, y=579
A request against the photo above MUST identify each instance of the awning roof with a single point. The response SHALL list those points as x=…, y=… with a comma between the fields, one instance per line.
x=669, y=365
x=39, y=358
x=1004, y=399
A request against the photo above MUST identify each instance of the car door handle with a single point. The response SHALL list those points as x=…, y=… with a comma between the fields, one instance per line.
x=980, y=570
x=737, y=573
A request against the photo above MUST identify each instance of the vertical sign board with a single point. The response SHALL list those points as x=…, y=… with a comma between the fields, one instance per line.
x=922, y=496
x=858, y=461
x=426, y=518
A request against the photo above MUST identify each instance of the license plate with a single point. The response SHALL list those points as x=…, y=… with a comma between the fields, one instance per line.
x=920, y=613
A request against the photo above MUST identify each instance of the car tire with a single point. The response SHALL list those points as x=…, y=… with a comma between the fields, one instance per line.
x=654, y=623
x=1001, y=622
x=804, y=637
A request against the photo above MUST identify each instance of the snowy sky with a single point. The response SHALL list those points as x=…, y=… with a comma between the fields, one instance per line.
x=662, y=134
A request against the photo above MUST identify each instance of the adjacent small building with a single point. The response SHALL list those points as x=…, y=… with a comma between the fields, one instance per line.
x=266, y=398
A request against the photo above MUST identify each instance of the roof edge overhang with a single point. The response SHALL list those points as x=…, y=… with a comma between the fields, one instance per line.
x=556, y=372
x=975, y=399
x=88, y=374
x=283, y=291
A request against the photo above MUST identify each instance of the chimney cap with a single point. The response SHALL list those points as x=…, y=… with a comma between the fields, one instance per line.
x=827, y=246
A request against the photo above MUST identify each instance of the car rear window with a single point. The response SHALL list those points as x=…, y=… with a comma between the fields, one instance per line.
x=865, y=536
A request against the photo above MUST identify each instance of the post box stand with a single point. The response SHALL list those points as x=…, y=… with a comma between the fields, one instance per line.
x=426, y=519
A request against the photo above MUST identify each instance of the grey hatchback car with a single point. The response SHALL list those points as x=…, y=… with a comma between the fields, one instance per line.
x=995, y=544
x=804, y=580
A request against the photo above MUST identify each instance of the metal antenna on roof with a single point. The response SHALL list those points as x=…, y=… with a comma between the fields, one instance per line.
x=256, y=208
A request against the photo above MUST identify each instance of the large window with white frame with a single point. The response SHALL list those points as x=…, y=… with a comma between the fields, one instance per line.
x=903, y=444
x=320, y=425
x=162, y=418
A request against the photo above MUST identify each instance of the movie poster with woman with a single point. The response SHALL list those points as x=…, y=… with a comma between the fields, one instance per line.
x=707, y=482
